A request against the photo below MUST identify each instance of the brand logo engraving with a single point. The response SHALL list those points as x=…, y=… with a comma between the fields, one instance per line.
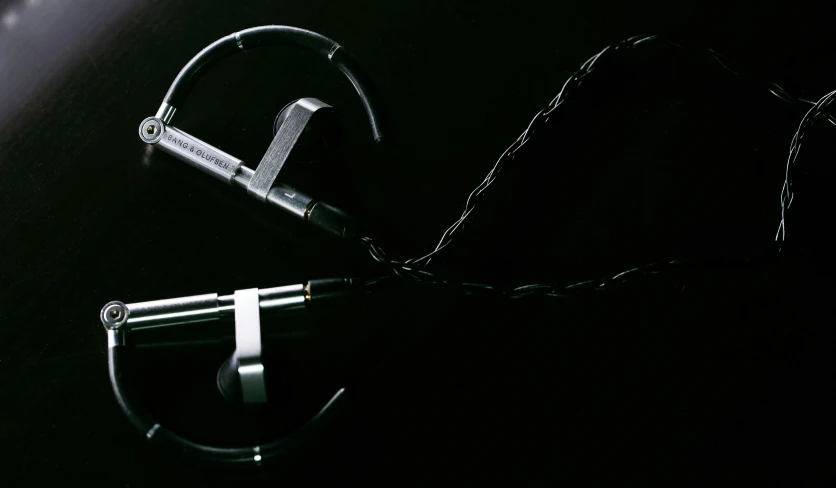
x=200, y=152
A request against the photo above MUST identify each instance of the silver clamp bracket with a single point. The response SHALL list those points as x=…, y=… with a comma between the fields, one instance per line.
x=298, y=117
x=248, y=346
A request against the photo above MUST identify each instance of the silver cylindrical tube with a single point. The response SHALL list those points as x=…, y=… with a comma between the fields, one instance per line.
x=288, y=297
x=199, y=154
x=197, y=308
x=202, y=308
x=165, y=113
x=226, y=305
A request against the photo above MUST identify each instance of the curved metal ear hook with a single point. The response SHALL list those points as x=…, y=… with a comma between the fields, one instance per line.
x=275, y=35
x=246, y=306
x=261, y=183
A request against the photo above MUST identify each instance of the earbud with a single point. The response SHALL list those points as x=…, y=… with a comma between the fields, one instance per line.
x=228, y=380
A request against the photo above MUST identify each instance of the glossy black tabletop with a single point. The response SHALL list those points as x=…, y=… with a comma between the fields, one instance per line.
x=726, y=376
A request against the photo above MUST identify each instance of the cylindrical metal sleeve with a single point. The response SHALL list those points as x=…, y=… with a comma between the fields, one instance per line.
x=288, y=297
x=289, y=199
x=332, y=220
x=280, y=35
x=197, y=308
x=324, y=290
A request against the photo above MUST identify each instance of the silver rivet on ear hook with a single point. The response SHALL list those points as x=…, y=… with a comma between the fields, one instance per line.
x=151, y=130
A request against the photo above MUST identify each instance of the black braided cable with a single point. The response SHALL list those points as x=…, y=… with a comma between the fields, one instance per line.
x=413, y=269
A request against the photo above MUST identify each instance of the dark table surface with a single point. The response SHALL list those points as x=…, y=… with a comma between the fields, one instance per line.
x=722, y=375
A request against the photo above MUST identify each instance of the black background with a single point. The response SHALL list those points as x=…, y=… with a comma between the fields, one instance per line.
x=720, y=375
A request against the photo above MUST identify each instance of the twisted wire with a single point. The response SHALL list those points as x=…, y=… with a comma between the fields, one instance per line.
x=414, y=269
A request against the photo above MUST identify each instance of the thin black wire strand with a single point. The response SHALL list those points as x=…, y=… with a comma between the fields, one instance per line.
x=816, y=113
x=414, y=269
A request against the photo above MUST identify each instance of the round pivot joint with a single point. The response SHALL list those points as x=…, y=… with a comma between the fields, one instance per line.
x=319, y=140
x=114, y=315
x=151, y=130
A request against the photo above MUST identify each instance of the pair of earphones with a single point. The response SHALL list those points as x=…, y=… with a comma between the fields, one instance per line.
x=242, y=376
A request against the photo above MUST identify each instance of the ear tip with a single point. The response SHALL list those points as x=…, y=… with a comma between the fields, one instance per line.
x=228, y=381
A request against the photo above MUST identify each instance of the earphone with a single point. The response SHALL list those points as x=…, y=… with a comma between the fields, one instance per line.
x=289, y=128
